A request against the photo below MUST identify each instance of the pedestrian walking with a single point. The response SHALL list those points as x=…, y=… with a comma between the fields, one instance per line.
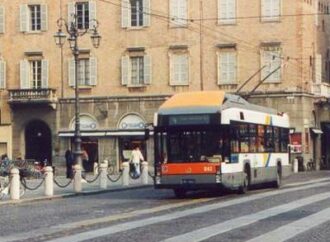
x=69, y=163
x=136, y=158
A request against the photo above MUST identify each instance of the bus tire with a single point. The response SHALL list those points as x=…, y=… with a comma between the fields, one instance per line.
x=244, y=187
x=278, y=181
x=179, y=192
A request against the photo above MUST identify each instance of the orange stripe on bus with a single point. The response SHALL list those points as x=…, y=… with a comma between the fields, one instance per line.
x=190, y=168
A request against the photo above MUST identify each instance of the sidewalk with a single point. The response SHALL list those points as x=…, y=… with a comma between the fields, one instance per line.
x=87, y=188
x=93, y=188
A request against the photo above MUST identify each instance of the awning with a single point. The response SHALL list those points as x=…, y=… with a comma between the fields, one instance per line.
x=316, y=131
x=112, y=133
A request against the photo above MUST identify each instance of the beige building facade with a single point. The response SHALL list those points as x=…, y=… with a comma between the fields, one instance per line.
x=151, y=49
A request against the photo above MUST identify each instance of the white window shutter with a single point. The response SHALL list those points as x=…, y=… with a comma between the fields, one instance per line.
x=184, y=75
x=72, y=72
x=276, y=9
x=24, y=18
x=183, y=12
x=92, y=13
x=44, y=17
x=232, y=67
x=218, y=68
x=231, y=11
x=93, y=71
x=71, y=12
x=125, y=70
x=125, y=14
x=146, y=13
x=44, y=73
x=25, y=74
x=173, y=11
x=2, y=74
x=147, y=70
x=2, y=20
x=318, y=68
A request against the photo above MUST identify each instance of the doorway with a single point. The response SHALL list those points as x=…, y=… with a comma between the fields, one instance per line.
x=38, y=142
x=325, y=139
x=127, y=144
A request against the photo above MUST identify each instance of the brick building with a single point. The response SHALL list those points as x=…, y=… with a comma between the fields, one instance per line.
x=151, y=49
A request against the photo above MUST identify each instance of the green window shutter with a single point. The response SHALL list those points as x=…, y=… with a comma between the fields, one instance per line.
x=2, y=74
x=125, y=70
x=147, y=70
x=72, y=73
x=2, y=20
x=92, y=13
x=44, y=73
x=93, y=71
x=44, y=17
x=25, y=74
x=24, y=18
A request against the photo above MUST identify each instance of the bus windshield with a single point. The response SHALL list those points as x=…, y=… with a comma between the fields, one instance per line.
x=192, y=145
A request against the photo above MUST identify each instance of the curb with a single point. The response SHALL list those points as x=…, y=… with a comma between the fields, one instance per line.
x=72, y=194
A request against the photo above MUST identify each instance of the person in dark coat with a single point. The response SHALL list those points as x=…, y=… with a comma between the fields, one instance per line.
x=69, y=163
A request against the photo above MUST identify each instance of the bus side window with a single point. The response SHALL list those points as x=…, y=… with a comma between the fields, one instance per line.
x=260, y=138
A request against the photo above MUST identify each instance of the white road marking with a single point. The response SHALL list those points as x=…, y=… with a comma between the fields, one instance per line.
x=163, y=218
x=306, y=182
x=220, y=228
x=291, y=230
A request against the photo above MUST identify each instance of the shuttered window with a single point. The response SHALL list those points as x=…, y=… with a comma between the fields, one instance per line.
x=33, y=18
x=135, y=13
x=178, y=12
x=34, y=74
x=86, y=14
x=227, y=67
x=179, y=69
x=270, y=10
x=136, y=70
x=226, y=11
x=271, y=59
x=87, y=72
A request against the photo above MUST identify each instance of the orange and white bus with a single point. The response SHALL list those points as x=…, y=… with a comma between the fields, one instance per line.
x=210, y=139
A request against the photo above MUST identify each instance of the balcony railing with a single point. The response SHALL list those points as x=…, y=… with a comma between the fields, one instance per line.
x=321, y=89
x=29, y=96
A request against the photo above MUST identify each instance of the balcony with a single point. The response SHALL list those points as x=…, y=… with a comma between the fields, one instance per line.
x=45, y=96
x=321, y=89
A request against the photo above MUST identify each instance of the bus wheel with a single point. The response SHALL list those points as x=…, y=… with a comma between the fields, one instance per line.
x=179, y=192
x=244, y=187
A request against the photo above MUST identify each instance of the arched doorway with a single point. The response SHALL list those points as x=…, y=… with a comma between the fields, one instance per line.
x=38, y=141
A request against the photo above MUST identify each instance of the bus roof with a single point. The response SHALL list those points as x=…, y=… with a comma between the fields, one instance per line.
x=207, y=102
x=193, y=102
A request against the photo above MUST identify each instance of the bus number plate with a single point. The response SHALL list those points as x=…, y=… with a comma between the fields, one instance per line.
x=188, y=181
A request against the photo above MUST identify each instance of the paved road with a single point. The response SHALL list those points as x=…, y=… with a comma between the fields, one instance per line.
x=299, y=211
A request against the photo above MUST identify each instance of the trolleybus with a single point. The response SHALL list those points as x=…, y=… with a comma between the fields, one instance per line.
x=211, y=139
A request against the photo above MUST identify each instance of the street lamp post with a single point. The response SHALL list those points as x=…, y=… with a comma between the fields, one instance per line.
x=74, y=33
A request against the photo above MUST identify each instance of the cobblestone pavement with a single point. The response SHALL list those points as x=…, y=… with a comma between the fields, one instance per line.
x=299, y=211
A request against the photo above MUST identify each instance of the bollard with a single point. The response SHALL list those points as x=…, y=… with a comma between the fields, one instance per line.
x=144, y=174
x=103, y=175
x=14, y=184
x=96, y=169
x=295, y=166
x=49, y=185
x=77, y=178
x=125, y=180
